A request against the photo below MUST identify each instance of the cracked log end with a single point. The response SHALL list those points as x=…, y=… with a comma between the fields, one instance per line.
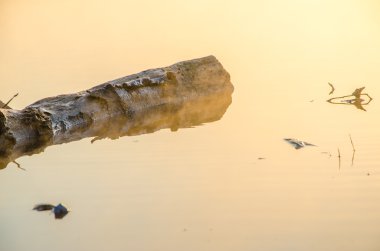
x=183, y=95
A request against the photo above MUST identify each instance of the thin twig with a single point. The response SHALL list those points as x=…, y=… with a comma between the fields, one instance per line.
x=96, y=139
x=353, y=158
x=5, y=105
x=332, y=89
x=339, y=157
x=353, y=151
x=352, y=143
x=18, y=165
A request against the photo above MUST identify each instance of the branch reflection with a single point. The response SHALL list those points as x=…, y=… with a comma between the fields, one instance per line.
x=357, y=99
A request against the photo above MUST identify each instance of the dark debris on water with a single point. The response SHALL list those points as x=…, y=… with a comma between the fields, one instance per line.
x=59, y=211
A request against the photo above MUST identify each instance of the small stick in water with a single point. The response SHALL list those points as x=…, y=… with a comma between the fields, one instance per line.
x=18, y=165
x=352, y=143
x=353, y=151
x=332, y=89
x=5, y=105
x=339, y=157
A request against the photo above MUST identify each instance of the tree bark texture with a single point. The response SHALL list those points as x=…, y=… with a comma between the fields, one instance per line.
x=185, y=94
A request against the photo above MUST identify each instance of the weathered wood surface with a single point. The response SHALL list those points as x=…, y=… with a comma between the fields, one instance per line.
x=185, y=94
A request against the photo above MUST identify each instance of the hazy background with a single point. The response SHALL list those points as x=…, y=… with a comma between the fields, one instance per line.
x=202, y=188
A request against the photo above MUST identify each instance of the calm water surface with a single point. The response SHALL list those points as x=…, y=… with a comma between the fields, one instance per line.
x=201, y=188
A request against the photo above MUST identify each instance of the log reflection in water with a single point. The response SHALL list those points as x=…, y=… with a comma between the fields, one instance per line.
x=183, y=95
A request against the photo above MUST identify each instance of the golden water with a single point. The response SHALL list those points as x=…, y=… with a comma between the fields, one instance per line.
x=203, y=188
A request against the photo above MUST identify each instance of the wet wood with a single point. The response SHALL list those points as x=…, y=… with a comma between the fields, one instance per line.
x=182, y=95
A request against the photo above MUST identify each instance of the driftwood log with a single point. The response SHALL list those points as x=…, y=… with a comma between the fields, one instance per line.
x=183, y=95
